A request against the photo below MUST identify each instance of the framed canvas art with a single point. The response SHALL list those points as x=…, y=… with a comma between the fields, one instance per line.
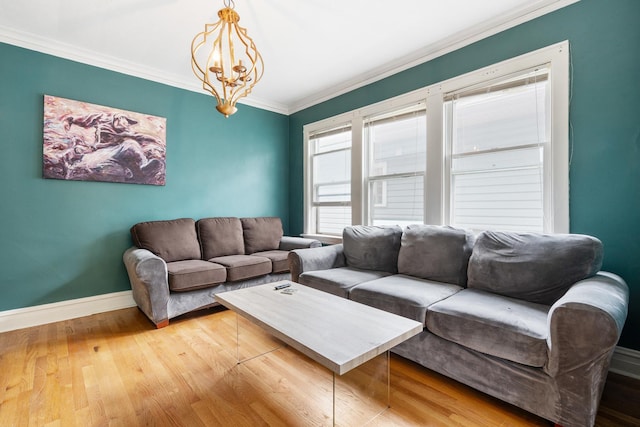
x=87, y=142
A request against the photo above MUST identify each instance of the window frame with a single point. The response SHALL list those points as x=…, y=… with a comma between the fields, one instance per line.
x=336, y=122
x=437, y=191
x=396, y=109
x=520, y=79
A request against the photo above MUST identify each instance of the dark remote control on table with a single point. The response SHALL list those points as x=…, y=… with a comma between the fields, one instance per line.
x=284, y=285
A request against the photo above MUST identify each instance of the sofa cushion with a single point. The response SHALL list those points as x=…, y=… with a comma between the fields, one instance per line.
x=220, y=237
x=171, y=240
x=338, y=281
x=194, y=274
x=538, y=268
x=279, y=260
x=240, y=267
x=372, y=247
x=439, y=253
x=402, y=295
x=492, y=324
x=261, y=234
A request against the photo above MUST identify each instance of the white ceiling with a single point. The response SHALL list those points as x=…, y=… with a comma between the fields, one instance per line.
x=312, y=49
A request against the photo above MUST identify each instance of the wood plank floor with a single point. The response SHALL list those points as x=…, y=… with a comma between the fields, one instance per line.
x=114, y=369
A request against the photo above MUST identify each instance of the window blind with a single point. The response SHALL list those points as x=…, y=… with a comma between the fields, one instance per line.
x=497, y=136
x=331, y=179
x=396, y=149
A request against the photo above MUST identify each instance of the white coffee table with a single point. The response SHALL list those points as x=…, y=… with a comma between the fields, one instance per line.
x=338, y=333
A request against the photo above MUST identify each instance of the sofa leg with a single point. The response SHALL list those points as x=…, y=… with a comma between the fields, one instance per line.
x=162, y=324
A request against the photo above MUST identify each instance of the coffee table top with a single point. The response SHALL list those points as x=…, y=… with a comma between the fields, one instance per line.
x=336, y=332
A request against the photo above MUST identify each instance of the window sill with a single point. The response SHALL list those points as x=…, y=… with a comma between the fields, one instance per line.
x=324, y=238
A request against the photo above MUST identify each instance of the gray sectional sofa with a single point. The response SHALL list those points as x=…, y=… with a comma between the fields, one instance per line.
x=177, y=266
x=526, y=318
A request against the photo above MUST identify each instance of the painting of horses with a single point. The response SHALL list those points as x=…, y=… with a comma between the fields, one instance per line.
x=88, y=142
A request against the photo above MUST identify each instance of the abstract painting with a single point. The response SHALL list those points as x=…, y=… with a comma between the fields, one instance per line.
x=87, y=142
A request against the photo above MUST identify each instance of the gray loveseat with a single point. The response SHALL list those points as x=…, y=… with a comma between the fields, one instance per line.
x=177, y=266
x=526, y=318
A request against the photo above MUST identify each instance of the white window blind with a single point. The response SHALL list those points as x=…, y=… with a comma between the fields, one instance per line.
x=497, y=134
x=331, y=180
x=396, y=148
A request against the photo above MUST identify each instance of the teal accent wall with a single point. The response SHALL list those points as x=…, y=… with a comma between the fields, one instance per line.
x=61, y=240
x=604, y=173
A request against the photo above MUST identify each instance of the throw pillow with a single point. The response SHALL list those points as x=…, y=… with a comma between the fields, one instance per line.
x=372, y=247
x=220, y=237
x=171, y=240
x=533, y=267
x=439, y=253
x=261, y=234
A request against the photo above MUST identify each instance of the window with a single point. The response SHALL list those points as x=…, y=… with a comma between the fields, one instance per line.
x=486, y=150
x=331, y=177
x=497, y=135
x=396, y=151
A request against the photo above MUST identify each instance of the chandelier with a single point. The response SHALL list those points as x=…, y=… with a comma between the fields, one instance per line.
x=228, y=65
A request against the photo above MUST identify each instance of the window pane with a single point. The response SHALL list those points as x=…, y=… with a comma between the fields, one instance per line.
x=397, y=201
x=332, y=167
x=397, y=144
x=510, y=117
x=331, y=180
x=497, y=143
x=332, y=176
x=501, y=190
x=333, y=193
x=332, y=219
x=505, y=200
x=331, y=140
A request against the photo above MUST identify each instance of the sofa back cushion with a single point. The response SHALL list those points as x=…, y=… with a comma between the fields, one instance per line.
x=220, y=237
x=261, y=234
x=538, y=268
x=372, y=247
x=171, y=240
x=439, y=253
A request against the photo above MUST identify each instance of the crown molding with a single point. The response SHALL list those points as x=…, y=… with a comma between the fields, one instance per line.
x=450, y=44
x=66, y=51
x=486, y=29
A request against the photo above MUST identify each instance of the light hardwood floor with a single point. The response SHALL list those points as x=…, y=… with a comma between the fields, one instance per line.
x=115, y=369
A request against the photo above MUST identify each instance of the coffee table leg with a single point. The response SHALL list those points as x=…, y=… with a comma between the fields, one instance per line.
x=363, y=393
x=252, y=341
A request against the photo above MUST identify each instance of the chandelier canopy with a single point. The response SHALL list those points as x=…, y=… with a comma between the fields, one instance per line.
x=225, y=59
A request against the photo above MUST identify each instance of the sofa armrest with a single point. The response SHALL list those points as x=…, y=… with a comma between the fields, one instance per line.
x=149, y=283
x=288, y=243
x=320, y=258
x=585, y=325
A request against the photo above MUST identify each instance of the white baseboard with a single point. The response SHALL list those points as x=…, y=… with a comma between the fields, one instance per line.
x=624, y=361
x=48, y=313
